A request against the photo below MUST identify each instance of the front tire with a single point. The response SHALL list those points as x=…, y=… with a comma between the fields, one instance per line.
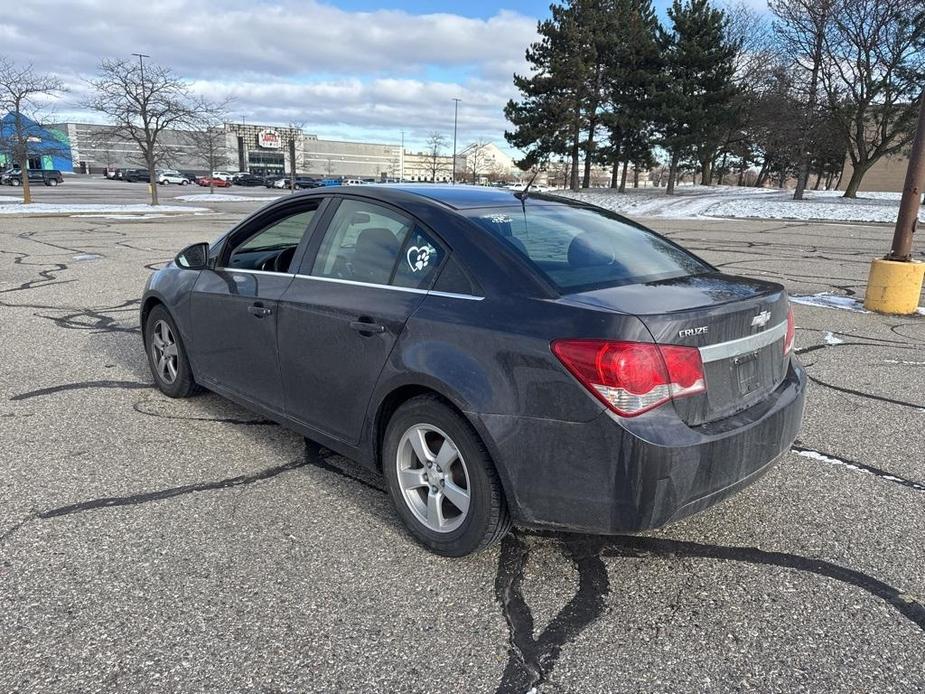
x=442, y=480
x=167, y=355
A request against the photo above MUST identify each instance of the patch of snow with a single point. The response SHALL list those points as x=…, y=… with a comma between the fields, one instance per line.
x=694, y=202
x=827, y=300
x=18, y=207
x=86, y=256
x=830, y=339
x=121, y=216
x=224, y=197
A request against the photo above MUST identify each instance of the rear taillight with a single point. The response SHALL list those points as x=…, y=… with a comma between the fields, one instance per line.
x=788, y=338
x=632, y=377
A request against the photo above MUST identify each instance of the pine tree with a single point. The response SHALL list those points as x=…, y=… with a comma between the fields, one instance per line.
x=563, y=102
x=699, y=102
x=632, y=80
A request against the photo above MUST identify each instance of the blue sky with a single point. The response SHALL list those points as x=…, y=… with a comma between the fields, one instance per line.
x=346, y=69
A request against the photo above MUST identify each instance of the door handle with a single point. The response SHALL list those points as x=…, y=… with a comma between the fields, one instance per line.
x=367, y=327
x=258, y=310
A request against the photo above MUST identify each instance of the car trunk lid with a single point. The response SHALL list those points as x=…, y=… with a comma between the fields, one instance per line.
x=738, y=324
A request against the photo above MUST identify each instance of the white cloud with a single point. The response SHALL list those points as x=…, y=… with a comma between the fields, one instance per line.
x=337, y=71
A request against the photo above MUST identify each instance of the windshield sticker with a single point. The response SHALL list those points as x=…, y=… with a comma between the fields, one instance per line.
x=498, y=218
x=419, y=257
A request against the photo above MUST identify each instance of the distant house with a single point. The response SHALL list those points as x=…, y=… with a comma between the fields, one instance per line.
x=49, y=148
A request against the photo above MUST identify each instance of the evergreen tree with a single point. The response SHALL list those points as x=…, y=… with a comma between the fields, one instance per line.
x=698, y=105
x=563, y=102
x=632, y=80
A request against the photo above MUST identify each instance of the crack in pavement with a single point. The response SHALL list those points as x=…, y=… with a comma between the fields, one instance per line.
x=128, y=385
x=139, y=408
x=145, y=497
x=870, y=396
x=531, y=660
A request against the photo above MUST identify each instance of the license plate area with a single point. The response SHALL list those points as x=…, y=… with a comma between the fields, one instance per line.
x=746, y=372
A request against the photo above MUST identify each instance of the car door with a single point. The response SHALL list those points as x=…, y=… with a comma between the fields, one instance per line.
x=233, y=307
x=346, y=306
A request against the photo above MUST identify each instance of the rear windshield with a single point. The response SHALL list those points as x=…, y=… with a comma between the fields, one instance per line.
x=578, y=249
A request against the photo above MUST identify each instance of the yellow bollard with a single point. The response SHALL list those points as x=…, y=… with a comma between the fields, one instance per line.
x=894, y=286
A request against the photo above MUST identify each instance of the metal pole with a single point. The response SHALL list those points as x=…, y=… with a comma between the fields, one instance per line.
x=455, y=120
x=401, y=159
x=901, y=248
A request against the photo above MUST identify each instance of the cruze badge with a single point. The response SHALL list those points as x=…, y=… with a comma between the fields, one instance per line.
x=761, y=319
x=689, y=332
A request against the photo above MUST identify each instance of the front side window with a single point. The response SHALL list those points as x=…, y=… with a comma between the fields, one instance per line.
x=272, y=248
x=578, y=249
x=362, y=243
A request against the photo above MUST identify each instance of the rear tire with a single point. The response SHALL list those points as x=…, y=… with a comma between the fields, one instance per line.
x=167, y=355
x=429, y=450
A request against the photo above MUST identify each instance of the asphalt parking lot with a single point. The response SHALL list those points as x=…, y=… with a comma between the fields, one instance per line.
x=147, y=543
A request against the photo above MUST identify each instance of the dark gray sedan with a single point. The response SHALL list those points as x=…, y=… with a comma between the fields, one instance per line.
x=499, y=358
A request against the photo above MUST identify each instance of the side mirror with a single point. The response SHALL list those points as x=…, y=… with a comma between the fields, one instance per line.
x=195, y=257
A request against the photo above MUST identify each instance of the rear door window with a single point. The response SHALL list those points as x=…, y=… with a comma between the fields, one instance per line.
x=362, y=243
x=578, y=249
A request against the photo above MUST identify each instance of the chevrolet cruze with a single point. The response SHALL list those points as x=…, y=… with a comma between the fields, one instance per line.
x=500, y=357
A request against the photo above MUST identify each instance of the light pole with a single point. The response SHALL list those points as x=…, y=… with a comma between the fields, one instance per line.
x=894, y=283
x=401, y=159
x=455, y=121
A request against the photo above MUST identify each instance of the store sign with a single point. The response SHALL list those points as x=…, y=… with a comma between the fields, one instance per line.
x=269, y=139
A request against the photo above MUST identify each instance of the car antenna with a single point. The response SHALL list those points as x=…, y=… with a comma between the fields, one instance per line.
x=522, y=194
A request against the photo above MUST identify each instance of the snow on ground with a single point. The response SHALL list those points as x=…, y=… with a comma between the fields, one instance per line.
x=15, y=206
x=224, y=197
x=827, y=300
x=736, y=202
x=846, y=303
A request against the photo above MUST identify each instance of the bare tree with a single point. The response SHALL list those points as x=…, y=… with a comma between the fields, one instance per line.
x=802, y=27
x=142, y=102
x=477, y=161
x=23, y=93
x=435, y=164
x=294, y=139
x=872, y=76
x=207, y=138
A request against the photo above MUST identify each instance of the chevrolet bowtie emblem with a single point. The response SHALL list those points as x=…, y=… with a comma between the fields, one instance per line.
x=761, y=319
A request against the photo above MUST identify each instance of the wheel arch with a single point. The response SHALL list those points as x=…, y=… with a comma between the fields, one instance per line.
x=401, y=394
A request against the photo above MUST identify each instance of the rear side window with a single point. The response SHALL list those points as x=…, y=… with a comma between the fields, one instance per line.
x=578, y=249
x=418, y=262
x=362, y=243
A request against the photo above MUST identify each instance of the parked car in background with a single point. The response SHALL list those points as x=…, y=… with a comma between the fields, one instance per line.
x=330, y=182
x=48, y=177
x=270, y=180
x=213, y=181
x=352, y=182
x=136, y=176
x=171, y=176
x=224, y=175
x=248, y=180
x=498, y=358
x=191, y=176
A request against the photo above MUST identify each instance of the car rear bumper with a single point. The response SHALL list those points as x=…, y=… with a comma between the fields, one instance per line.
x=607, y=476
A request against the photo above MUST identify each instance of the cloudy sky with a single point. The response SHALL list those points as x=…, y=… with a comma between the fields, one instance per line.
x=348, y=69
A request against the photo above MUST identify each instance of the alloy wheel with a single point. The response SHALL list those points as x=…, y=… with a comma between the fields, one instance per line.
x=433, y=478
x=164, y=351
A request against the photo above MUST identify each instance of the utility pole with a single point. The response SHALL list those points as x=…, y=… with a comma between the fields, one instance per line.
x=895, y=282
x=141, y=62
x=401, y=159
x=455, y=120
